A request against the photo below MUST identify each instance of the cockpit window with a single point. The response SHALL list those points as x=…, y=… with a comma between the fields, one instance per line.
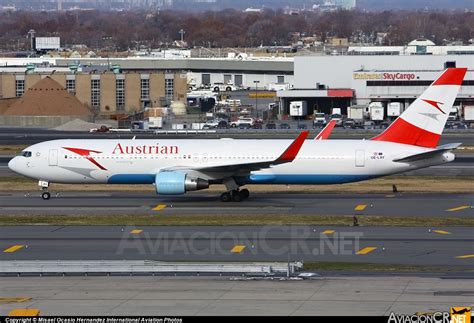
x=26, y=153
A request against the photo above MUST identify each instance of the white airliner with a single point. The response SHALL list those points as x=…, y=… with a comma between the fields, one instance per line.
x=180, y=165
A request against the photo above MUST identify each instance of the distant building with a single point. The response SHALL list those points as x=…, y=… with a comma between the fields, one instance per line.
x=346, y=4
x=339, y=81
x=104, y=93
x=331, y=5
x=47, y=43
x=46, y=103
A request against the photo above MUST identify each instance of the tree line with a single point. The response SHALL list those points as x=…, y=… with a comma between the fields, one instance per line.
x=231, y=28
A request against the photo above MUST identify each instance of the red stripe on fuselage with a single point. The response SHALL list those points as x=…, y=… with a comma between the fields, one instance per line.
x=86, y=153
x=403, y=132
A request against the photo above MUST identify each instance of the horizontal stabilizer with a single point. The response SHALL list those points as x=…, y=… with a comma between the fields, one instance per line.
x=429, y=154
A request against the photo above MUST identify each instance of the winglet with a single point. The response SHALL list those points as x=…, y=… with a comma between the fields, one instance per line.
x=292, y=151
x=326, y=132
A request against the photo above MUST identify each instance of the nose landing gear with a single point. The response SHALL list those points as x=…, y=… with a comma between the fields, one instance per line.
x=44, y=187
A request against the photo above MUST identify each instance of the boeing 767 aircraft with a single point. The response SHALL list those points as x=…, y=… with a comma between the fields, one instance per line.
x=180, y=165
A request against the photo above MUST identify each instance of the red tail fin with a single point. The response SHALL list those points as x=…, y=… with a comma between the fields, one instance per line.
x=423, y=122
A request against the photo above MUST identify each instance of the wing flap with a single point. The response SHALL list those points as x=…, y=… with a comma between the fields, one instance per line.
x=287, y=156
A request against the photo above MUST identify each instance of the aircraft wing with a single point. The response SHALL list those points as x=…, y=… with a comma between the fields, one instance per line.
x=287, y=156
x=326, y=132
x=439, y=150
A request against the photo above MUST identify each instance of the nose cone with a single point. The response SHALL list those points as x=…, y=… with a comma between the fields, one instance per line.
x=13, y=165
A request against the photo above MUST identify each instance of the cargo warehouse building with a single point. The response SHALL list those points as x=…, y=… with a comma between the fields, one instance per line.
x=105, y=93
x=327, y=82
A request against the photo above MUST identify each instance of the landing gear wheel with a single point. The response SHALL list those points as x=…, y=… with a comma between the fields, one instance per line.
x=46, y=195
x=225, y=197
x=236, y=196
x=245, y=193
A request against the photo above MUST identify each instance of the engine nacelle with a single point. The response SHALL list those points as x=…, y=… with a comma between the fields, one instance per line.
x=170, y=183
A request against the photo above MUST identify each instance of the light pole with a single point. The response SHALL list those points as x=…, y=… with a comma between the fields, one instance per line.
x=256, y=97
x=182, y=32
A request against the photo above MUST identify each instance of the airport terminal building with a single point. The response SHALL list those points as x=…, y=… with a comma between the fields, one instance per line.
x=327, y=82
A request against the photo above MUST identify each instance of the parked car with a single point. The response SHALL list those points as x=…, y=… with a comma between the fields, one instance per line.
x=456, y=125
x=270, y=125
x=302, y=126
x=349, y=124
x=285, y=126
x=222, y=125
x=245, y=126
x=319, y=124
x=236, y=123
x=369, y=125
x=211, y=124
x=102, y=128
x=257, y=126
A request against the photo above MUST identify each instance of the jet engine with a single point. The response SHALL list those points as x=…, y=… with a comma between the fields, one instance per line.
x=170, y=183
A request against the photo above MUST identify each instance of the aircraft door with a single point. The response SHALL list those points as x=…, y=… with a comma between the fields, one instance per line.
x=360, y=158
x=53, y=157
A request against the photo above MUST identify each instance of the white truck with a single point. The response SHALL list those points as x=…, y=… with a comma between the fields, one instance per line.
x=376, y=111
x=453, y=114
x=356, y=112
x=394, y=109
x=278, y=86
x=222, y=87
x=319, y=120
x=336, y=115
x=468, y=113
x=155, y=122
x=298, y=108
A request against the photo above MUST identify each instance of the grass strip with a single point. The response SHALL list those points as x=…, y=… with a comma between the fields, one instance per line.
x=236, y=220
x=371, y=267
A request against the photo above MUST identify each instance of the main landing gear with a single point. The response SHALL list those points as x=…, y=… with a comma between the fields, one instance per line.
x=44, y=187
x=235, y=195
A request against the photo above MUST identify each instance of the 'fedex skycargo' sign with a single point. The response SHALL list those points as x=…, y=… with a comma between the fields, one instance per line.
x=389, y=76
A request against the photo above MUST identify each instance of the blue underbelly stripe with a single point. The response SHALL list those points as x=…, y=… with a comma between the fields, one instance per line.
x=132, y=179
x=255, y=179
x=306, y=179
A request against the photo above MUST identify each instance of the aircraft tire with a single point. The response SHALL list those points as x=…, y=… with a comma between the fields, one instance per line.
x=236, y=196
x=225, y=197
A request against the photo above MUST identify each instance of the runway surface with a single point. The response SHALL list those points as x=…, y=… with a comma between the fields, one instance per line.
x=351, y=296
x=259, y=204
x=447, y=247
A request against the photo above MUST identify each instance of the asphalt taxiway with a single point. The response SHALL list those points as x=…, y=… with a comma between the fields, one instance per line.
x=30, y=136
x=436, y=246
x=166, y=296
x=259, y=204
